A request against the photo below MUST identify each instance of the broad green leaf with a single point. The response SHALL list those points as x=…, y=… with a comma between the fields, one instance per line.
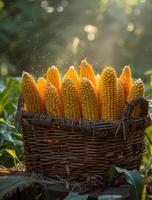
x=15, y=131
x=1, y=153
x=1, y=4
x=4, y=97
x=148, y=197
x=149, y=132
x=5, y=137
x=10, y=184
x=149, y=72
x=2, y=147
x=144, y=193
x=134, y=179
x=76, y=196
x=9, y=125
x=110, y=197
x=2, y=120
x=12, y=152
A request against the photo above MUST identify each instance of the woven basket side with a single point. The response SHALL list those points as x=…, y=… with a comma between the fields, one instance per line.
x=32, y=155
x=81, y=150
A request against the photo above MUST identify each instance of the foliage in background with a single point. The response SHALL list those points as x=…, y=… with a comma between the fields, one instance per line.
x=35, y=34
x=11, y=146
x=146, y=165
x=148, y=87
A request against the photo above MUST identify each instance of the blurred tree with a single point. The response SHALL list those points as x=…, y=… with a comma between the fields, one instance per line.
x=35, y=34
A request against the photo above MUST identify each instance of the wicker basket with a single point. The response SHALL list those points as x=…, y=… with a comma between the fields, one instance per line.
x=82, y=150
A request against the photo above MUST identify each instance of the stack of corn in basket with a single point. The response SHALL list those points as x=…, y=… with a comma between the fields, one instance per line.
x=78, y=127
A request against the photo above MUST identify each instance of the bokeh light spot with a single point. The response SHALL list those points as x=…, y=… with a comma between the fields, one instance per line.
x=90, y=28
x=91, y=36
x=142, y=1
x=44, y=4
x=3, y=70
x=60, y=9
x=130, y=27
x=50, y=9
x=137, y=12
x=75, y=45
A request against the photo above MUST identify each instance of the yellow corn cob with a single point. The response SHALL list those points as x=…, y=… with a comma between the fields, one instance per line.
x=89, y=101
x=30, y=93
x=53, y=77
x=41, y=85
x=71, y=101
x=73, y=75
x=53, y=101
x=121, y=98
x=137, y=91
x=98, y=91
x=97, y=80
x=86, y=71
x=126, y=78
x=109, y=94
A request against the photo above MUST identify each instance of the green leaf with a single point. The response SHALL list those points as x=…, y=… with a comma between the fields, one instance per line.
x=15, y=131
x=76, y=196
x=12, y=152
x=134, y=179
x=1, y=4
x=148, y=197
x=148, y=132
x=110, y=197
x=6, y=137
x=149, y=72
x=10, y=184
x=4, y=97
x=3, y=121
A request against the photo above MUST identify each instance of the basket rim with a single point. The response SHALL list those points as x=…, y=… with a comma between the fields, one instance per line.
x=99, y=127
x=127, y=121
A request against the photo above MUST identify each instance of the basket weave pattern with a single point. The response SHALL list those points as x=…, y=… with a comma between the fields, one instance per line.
x=82, y=149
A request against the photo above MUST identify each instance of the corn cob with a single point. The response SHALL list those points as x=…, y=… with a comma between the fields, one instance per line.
x=126, y=79
x=86, y=71
x=97, y=80
x=30, y=93
x=98, y=91
x=71, y=100
x=109, y=94
x=53, y=101
x=41, y=85
x=137, y=91
x=53, y=77
x=121, y=98
x=73, y=75
x=89, y=102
